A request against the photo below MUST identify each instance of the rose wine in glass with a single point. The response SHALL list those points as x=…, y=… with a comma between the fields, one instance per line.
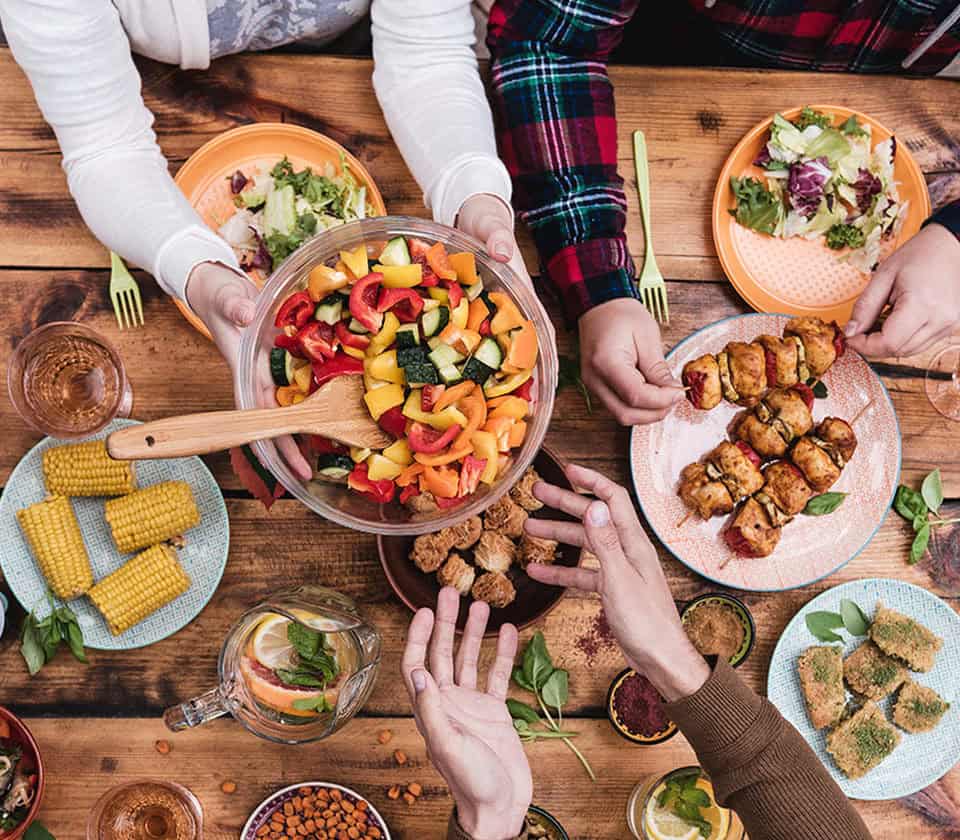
x=147, y=809
x=943, y=382
x=67, y=381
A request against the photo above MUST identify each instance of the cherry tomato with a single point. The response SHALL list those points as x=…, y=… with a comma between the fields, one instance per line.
x=429, y=396
x=429, y=441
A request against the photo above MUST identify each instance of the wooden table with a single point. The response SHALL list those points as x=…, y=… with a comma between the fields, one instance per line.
x=97, y=724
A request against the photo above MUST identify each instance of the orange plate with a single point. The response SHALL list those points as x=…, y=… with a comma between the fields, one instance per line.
x=204, y=178
x=799, y=276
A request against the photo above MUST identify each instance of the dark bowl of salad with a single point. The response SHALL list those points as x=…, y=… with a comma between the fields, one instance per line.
x=21, y=776
x=458, y=363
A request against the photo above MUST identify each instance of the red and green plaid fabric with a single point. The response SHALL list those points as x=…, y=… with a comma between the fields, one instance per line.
x=555, y=107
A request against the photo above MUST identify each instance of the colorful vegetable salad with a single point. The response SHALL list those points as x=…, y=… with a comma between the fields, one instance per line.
x=824, y=181
x=447, y=367
x=18, y=781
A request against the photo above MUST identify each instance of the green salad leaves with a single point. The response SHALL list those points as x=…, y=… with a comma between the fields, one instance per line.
x=757, y=207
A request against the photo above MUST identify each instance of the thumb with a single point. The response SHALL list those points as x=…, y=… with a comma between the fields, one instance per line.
x=500, y=244
x=871, y=302
x=654, y=367
x=429, y=709
x=238, y=309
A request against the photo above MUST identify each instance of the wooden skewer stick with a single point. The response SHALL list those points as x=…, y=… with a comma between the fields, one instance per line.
x=683, y=521
x=860, y=413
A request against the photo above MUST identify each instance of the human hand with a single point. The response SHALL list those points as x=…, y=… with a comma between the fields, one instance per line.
x=921, y=281
x=621, y=361
x=488, y=218
x=636, y=598
x=469, y=733
x=225, y=302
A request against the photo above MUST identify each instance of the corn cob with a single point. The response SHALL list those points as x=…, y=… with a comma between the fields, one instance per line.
x=151, y=515
x=139, y=587
x=85, y=469
x=53, y=532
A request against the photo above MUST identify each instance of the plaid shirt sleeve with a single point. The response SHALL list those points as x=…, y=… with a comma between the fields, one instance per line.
x=558, y=138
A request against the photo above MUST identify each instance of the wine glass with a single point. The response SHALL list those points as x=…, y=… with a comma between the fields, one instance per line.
x=943, y=382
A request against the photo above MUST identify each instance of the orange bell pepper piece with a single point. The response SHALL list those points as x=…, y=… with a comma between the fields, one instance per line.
x=523, y=348
x=438, y=260
x=508, y=317
x=443, y=482
x=476, y=313
x=518, y=431
x=514, y=407
x=500, y=427
x=448, y=456
x=474, y=408
x=409, y=474
x=454, y=394
x=465, y=264
x=286, y=393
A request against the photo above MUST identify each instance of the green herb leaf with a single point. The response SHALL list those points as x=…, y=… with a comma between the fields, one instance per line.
x=821, y=624
x=37, y=831
x=301, y=677
x=555, y=691
x=842, y=235
x=696, y=796
x=313, y=704
x=757, y=207
x=808, y=116
x=854, y=620
x=852, y=127
x=521, y=711
x=520, y=679
x=31, y=647
x=537, y=664
x=932, y=490
x=306, y=642
x=824, y=503
x=75, y=641
x=568, y=376
x=909, y=503
x=521, y=726
x=920, y=542
x=819, y=390
x=919, y=522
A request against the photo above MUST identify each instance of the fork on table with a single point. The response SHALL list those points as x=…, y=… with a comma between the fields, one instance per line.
x=125, y=294
x=653, y=288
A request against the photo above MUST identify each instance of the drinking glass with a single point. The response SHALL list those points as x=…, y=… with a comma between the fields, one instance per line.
x=255, y=649
x=67, y=381
x=943, y=382
x=147, y=809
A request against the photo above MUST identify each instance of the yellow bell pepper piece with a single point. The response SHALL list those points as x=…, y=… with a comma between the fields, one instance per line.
x=356, y=352
x=485, y=446
x=401, y=276
x=371, y=384
x=383, y=399
x=302, y=377
x=379, y=467
x=442, y=420
x=513, y=407
x=383, y=339
x=459, y=315
x=356, y=261
x=323, y=280
x=439, y=294
x=430, y=303
x=465, y=264
x=385, y=367
x=498, y=388
x=399, y=452
x=358, y=454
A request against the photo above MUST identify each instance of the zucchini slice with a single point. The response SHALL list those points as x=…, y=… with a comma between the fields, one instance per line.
x=434, y=321
x=395, y=252
x=281, y=366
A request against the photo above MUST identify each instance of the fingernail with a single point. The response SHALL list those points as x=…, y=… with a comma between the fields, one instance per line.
x=419, y=680
x=852, y=328
x=598, y=514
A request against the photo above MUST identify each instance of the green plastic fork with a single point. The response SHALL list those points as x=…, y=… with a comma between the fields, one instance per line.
x=653, y=288
x=125, y=294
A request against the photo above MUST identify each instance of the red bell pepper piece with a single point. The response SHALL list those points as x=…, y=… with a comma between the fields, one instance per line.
x=806, y=392
x=363, y=301
x=381, y=492
x=320, y=445
x=747, y=450
x=839, y=340
x=341, y=364
x=405, y=303
x=295, y=311
x=429, y=441
x=429, y=396
x=393, y=422
x=409, y=492
x=428, y=278
x=771, y=365
x=695, y=381
x=443, y=504
x=454, y=292
x=470, y=474
x=317, y=341
x=737, y=542
x=525, y=390
x=349, y=339
x=418, y=249
x=288, y=343
x=484, y=327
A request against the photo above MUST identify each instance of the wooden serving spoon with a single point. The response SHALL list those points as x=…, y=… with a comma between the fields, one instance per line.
x=335, y=410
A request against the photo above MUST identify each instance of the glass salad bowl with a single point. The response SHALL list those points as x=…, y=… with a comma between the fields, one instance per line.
x=337, y=502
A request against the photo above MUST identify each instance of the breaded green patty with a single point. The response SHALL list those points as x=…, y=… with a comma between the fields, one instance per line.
x=871, y=673
x=900, y=636
x=862, y=741
x=918, y=708
x=820, y=669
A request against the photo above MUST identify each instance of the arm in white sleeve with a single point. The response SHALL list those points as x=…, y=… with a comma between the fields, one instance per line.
x=428, y=84
x=77, y=58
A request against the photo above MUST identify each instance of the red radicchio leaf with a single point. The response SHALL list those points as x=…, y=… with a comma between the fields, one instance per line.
x=806, y=184
x=866, y=187
x=237, y=182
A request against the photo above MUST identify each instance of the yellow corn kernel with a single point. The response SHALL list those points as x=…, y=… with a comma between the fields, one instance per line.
x=85, y=469
x=53, y=532
x=139, y=587
x=151, y=515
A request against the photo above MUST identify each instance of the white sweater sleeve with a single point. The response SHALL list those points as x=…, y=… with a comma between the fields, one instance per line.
x=428, y=84
x=78, y=60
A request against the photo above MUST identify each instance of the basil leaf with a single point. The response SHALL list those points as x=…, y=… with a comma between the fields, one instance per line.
x=537, y=665
x=920, y=542
x=556, y=691
x=824, y=503
x=521, y=711
x=37, y=831
x=820, y=390
x=299, y=677
x=306, y=642
x=909, y=503
x=520, y=679
x=932, y=490
x=854, y=620
x=313, y=704
x=30, y=646
x=50, y=636
x=821, y=624
x=919, y=522
x=75, y=640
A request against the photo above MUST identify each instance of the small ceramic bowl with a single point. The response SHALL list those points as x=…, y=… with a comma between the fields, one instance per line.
x=620, y=727
x=31, y=752
x=275, y=801
x=534, y=600
x=551, y=820
x=738, y=608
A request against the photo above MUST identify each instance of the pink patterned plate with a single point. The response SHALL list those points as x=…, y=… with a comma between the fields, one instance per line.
x=811, y=547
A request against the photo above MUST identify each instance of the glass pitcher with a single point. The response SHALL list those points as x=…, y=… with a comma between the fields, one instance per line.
x=293, y=669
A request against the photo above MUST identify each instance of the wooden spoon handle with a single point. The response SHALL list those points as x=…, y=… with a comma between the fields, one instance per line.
x=199, y=434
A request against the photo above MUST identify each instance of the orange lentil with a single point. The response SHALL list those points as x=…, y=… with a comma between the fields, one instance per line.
x=409, y=798
x=162, y=747
x=385, y=736
x=400, y=757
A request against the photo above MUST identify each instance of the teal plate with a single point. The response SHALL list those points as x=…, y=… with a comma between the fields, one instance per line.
x=919, y=760
x=203, y=558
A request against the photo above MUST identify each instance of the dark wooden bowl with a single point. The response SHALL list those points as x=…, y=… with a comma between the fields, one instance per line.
x=534, y=600
x=21, y=735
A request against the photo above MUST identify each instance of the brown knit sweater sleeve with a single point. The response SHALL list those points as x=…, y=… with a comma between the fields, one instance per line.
x=760, y=765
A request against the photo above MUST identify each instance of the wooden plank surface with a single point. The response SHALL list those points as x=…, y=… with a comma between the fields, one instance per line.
x=100, y=722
